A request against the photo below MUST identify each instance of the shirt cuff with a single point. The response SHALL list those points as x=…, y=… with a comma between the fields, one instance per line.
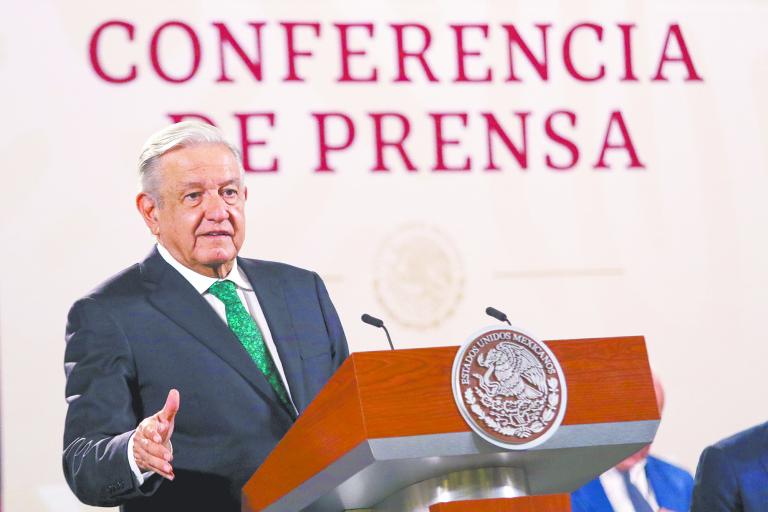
x=140, y=477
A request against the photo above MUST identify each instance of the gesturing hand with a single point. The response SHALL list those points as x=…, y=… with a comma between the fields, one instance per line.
x=151, y=442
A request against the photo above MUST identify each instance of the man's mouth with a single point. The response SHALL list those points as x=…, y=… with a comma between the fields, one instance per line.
x=217, y=234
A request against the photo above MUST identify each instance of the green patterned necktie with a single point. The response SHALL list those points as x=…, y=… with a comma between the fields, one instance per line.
x=249, y=334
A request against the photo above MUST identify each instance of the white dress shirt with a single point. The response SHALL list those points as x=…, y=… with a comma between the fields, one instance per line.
x=247, y=296
x=616, y=491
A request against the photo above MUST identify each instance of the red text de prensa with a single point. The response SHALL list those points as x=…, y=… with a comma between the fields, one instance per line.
x=336, y=134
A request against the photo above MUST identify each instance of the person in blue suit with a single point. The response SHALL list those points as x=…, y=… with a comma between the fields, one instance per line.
x=732, y=475
x=186, y=369
x=639, y=483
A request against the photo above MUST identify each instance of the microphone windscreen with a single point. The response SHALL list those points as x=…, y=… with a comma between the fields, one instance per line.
x=372, y=320
x=495, y=313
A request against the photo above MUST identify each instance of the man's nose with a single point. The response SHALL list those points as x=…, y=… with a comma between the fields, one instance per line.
x=216, y=209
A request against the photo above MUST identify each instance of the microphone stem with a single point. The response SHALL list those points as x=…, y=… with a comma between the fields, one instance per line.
x=388, y=338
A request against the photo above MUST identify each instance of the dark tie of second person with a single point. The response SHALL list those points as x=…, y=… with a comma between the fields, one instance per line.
x=635, y=496
x=249, y=334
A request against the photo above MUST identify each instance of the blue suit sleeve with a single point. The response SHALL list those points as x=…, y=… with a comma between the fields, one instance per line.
x=100, y=415
x=715, y=487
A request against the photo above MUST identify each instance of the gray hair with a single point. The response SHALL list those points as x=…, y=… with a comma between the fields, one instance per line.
x=179, y=135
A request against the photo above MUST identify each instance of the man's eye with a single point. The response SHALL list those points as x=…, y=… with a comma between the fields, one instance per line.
x=192, y=196
x=230, y=192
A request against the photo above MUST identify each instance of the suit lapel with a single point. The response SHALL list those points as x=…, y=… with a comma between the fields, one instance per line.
x=601, y=499
x=658, y=483
x=591, y=498
x=178, y=300
x=269, y=290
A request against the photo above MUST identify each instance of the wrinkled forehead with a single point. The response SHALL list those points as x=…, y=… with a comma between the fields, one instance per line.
x=208, y=164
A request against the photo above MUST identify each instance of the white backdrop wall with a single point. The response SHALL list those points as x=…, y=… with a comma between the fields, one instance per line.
x=674, y=250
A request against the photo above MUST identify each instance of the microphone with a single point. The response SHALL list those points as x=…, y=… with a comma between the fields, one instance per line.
x=498, y=315
x=372, y=320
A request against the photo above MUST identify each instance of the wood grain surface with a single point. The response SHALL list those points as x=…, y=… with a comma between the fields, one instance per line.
x=408, y=392
x=549, y=503
x=331, y=426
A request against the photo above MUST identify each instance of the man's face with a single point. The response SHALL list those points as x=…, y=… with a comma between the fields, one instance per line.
x=200, y=218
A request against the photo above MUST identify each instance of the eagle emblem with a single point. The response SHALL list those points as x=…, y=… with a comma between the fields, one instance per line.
x=512, y=371
x=509, y=387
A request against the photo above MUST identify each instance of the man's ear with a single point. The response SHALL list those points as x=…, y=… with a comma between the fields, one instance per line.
x=147, y=207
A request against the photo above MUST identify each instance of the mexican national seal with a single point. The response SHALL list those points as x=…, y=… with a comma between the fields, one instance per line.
x=419, y=277
x=509, y=388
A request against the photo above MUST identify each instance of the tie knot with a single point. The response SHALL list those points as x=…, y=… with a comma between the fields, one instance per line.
x=225, y=291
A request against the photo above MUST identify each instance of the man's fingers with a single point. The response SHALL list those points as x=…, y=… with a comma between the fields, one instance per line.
x=151, y=463
x=171, y=406
x=155, y=449
x=151, y=434
x=150, y=457
x=149, y=428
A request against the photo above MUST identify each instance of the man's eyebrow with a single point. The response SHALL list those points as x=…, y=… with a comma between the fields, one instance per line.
x=199, y=184
x=189, y=184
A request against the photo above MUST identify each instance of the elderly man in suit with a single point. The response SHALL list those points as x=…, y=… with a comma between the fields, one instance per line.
x=732, y=475
x=639, y=483
x=186, y=369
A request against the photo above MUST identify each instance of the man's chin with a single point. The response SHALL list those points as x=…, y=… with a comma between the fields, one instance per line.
x=217, y=257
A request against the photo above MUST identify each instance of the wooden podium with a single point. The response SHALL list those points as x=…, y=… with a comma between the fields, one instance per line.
x=385, y=434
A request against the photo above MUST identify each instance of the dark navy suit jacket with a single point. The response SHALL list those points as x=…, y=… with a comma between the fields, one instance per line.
x=733, y=474
x=146, y=331
x=671, y=485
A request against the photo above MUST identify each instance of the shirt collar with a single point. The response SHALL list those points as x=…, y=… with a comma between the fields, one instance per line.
x=200, y=282
x=636, y=472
